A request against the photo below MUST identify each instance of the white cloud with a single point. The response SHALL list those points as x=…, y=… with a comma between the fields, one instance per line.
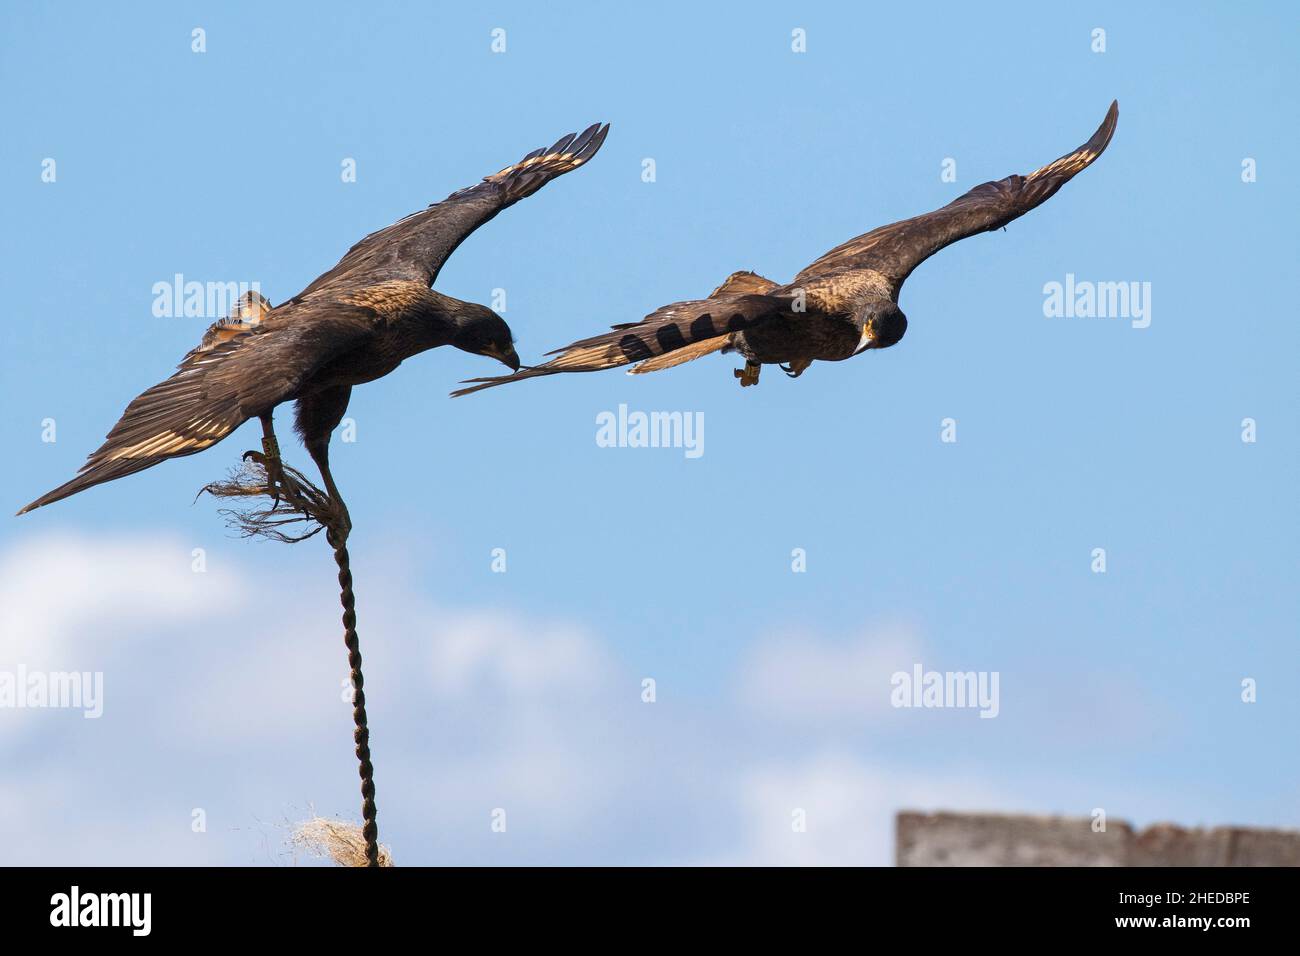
x=804, y=678
x=58, y=592
x=228, y=696
x=69, y=603
x=847, y=807
x=487, y=650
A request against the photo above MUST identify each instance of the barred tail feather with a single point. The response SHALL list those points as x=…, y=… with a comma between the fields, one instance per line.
x=675, y=327
x=680, y=357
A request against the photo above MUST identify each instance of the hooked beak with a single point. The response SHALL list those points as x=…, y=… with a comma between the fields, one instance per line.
x=508, y=358
x=865, y=342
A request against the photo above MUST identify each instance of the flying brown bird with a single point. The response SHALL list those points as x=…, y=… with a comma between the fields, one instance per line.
x=840, y=306
x=354, y=324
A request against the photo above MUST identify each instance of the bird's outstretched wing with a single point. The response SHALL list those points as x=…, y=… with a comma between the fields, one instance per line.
x=895, y=250
x=219, y=387
x=694, y=328
x=414, y=248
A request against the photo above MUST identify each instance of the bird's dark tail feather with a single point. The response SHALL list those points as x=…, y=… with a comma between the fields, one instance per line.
x=672, y=328
x=491, y=381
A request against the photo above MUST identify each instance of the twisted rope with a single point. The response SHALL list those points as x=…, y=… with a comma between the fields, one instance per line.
x=369, y=829
x=299, y=502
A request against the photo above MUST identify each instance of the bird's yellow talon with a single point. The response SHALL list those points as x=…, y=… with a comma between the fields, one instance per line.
x=748, y=375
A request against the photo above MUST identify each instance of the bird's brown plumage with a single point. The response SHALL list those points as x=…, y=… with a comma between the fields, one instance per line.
x=844, y=301
x=354, y=323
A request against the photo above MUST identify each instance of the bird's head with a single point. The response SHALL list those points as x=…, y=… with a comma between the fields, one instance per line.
x=882, y=324
x=481, y=331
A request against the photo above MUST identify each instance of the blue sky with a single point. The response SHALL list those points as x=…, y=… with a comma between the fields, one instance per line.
x=522, y=690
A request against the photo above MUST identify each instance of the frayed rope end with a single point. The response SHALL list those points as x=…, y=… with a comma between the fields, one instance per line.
x=335, y=840
x=300, y=503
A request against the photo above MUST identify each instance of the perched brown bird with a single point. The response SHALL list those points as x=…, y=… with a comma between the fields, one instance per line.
x=352, y=325
x=843, y=304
